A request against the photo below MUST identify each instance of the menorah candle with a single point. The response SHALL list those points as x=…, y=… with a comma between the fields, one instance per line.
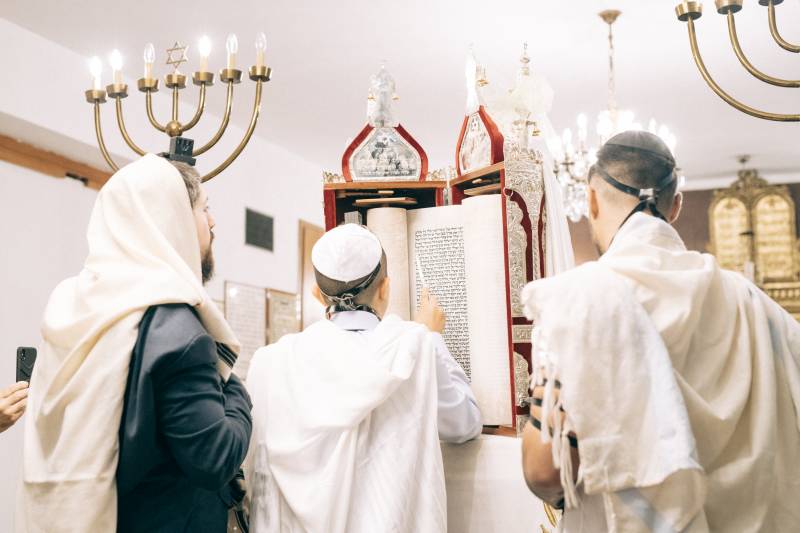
x=149, y=59
x=116, y=66
x=204, y=47
x=261, y=46
x=232, y=46
x=96, y=69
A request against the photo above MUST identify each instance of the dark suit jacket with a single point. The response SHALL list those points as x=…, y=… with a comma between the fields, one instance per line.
x=184, y=433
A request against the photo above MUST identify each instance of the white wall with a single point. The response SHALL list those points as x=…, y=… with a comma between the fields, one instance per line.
x=42, y=240
x=44, y=219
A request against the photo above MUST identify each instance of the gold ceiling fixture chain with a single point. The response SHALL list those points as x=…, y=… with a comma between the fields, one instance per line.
x=610, y=16
x=690, y=11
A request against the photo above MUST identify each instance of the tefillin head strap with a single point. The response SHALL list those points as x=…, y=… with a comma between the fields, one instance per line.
x=648, y=198
x=345, y=301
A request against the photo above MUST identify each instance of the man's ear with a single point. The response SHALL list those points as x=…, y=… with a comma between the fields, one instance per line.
x=383, y=291
x=594, y=205
x=677, y=205
x=317, y=294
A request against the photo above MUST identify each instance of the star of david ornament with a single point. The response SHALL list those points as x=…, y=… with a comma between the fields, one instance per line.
x=176, y=55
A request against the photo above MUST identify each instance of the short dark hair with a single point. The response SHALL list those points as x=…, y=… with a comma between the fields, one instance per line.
x=640, y=169
x=331, y=287
x=191, y=178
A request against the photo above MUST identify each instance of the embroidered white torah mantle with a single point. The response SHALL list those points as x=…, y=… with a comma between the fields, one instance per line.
x=345, y=433
x=681, y=383
x=143, y=251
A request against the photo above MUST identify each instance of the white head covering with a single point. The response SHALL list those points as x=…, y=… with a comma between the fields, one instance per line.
x=347, y=253
x=143, y=251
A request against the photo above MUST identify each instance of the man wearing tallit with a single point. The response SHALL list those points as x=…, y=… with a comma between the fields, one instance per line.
x=670, y=387
x=135, y=422
x=347, y=415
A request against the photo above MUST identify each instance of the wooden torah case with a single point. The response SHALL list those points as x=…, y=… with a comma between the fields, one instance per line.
x=519, y=179
x=383, y=167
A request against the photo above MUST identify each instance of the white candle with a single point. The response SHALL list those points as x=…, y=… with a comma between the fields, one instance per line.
x=96, y=68
x=149, y=59
x=116, y=66
x=261, y=46
x=204, y=47
x=232, y=46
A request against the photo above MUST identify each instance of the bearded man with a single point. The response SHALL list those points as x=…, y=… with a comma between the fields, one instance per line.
x=136, y=423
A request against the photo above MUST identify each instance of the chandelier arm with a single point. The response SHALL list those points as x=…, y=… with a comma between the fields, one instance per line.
x=247, y=135
x=123, y=130
x=101, y=143
x=200, y=107
x=773, y=29
x=746, y=63
x=150, y=116
x=725, y=96
x=225, y=119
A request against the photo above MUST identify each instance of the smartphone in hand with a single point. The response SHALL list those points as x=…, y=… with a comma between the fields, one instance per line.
x=26, y=357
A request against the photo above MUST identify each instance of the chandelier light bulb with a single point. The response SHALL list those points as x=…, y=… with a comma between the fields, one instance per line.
x=567, y=140
x=605, y=126
x=204, y=47
x=625, y=121
x=554, y=145
x=261, y=46
x=96, y=69
x=149, y=58
x=232, y=46
x=583, y=123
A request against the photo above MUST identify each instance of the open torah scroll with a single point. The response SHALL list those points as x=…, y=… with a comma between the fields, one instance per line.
x=457, y=252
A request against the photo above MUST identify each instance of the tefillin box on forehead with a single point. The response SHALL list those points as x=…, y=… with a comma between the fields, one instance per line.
x=384, y=166
x=476, y=253
x=499, y=162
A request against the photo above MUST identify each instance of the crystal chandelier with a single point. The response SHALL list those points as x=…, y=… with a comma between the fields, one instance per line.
x=571, y=162
x=181, y=148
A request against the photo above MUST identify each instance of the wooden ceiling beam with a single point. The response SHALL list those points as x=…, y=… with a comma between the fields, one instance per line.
x=45, y=162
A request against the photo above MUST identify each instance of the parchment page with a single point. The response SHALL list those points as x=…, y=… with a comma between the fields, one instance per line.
x=436, y=244
x=246, y=313
x=487, y=309
x=389, y=224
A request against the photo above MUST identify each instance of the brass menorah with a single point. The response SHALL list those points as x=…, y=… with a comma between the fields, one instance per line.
x=181, y=148
x=690, y=11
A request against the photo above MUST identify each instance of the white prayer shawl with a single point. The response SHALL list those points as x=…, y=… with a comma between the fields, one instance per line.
x=559, y=256
x=143, y=251
x=345, y=436
x=649, y=343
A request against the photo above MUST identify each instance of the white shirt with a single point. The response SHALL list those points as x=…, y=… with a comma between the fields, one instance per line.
x=459, y=418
